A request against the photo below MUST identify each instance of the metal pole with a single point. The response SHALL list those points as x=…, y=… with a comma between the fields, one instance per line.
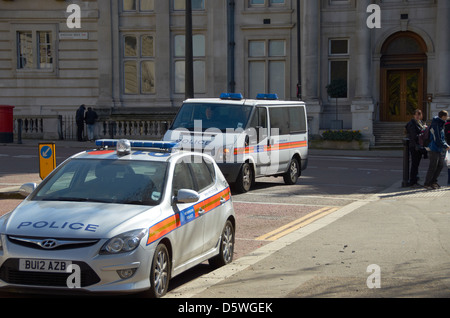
x=405, y=182
x=299, y=54
x=231, y=46
x=19, y=131
x=189, y=63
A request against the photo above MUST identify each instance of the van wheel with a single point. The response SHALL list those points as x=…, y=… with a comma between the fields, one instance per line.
x=160, y=272
x=225, y=255
x=245, y=179
x=291, y=176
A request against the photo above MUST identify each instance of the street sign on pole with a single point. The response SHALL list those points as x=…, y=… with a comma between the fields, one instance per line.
x=47, y=159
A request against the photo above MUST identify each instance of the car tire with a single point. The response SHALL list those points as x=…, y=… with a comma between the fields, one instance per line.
x=244, y=180
x=291, y=176
x=226, y=250
x=160, y=272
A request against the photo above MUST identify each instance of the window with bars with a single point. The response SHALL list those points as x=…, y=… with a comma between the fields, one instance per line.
x=138, y=64
x=34, y=50
x=338, y=65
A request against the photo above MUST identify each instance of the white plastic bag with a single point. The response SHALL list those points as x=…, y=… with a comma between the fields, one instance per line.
x=447, y=158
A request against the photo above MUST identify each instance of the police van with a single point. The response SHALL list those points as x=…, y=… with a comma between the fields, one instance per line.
x=249, y=138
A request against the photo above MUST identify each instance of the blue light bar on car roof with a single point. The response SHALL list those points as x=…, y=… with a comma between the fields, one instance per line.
x=164, y=145
x=234, y=96
x=267, y=96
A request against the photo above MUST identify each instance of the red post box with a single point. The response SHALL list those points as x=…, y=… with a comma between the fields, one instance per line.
x=6, y=124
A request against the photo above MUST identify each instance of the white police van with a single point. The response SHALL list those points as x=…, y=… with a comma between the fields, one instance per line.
x=249, y=138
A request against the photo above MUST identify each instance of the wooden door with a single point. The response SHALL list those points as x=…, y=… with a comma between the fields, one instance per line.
x=403, y=94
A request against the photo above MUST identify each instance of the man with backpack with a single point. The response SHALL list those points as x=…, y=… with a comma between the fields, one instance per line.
x=437, y=150
x=447, y=138
x=416, y=130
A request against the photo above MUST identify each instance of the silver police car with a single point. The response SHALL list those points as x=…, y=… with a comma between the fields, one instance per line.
x=125, y=217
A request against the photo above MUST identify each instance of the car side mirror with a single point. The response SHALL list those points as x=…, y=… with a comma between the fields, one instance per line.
x=26, y=189
x=186, y=196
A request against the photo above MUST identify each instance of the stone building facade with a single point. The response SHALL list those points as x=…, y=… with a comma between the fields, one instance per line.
x=128, y=56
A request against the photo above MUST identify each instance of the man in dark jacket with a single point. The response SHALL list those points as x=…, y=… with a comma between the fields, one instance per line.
x=438, y=147
x=90, y=118
x=79, y=118
x=447, y=138
x=414, y=128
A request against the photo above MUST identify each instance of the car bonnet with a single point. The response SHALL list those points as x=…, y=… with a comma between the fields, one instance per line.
x=74, y=219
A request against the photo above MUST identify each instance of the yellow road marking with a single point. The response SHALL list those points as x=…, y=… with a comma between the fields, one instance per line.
x=295, y=225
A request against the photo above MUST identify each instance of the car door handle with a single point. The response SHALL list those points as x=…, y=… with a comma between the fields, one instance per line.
x=201, y=211
x=222, y=200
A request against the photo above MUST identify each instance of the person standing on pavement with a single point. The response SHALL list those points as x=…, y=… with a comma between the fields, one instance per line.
x=437, y=148
x=79, y=118
x=90, y=119
x=414, y=128
x=447, y=138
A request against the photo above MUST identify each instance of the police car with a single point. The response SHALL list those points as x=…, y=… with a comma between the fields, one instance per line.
x=127, y=216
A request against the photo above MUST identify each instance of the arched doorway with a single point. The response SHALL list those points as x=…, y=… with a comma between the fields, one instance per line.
x=403, y=77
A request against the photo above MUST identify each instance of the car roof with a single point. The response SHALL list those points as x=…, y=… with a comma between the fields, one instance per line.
x=142, y=153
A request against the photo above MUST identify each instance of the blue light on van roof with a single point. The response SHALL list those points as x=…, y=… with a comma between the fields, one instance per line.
x=267, y=96
x=233, y=96
x=164, y=145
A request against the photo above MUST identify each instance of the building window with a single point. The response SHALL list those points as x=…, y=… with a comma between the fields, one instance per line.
x=138, y=5
x=138, y=64
x=196, y=5
x=34, y=50
x=199, y=53
x=267, y=67
x=338, y=65
x=265, y=3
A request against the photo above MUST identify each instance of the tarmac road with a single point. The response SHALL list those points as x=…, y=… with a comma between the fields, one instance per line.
x=334, y=183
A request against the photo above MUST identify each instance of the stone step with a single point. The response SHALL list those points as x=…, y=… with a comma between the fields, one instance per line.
x=388, y=135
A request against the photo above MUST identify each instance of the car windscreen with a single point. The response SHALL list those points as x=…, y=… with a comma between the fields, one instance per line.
x=210, y=115
x=109, y=181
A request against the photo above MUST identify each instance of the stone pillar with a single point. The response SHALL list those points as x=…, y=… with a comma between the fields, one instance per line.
x=362, y=104
x=310, y=28
x=441, y=98
x=105, y=53
x=163, y=56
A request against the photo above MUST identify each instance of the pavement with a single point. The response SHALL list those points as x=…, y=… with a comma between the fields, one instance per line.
x=392, y=244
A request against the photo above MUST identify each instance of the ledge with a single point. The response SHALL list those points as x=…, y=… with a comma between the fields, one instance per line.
x=340, y=145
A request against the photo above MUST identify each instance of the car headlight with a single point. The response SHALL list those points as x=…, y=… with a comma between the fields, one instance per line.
x=125, y=242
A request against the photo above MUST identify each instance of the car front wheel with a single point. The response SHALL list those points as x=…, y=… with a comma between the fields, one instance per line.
x=160, y=272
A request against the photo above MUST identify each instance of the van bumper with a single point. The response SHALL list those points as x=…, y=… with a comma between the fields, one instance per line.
x=230, y=171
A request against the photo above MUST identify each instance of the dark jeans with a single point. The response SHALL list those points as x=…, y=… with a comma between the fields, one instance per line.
x=416, y=156
x=80, y=128
x=435, y=167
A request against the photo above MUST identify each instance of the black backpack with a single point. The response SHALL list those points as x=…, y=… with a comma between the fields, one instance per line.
x=424, y=137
